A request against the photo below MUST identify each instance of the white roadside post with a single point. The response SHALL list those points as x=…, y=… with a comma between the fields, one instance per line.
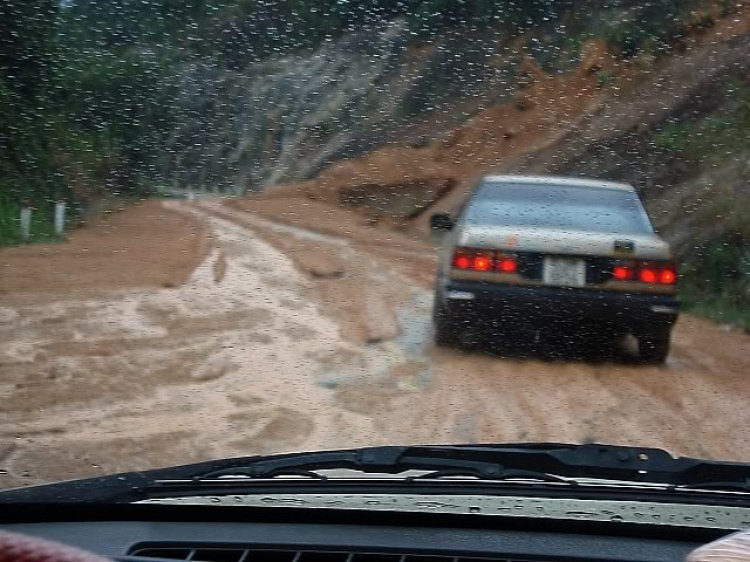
x=60, y=219
x=25, y=222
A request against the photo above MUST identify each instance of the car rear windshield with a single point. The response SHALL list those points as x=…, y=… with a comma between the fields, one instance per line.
x=579, y=208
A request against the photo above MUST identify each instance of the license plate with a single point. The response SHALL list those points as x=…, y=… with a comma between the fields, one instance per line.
x=564, y=272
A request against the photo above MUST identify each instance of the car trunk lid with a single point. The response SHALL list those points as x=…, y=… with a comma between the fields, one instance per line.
x=562, y=243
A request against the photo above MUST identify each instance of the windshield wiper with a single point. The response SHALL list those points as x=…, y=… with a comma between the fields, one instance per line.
x=437, y=462
x=525, y=464
x=738, y=486
x=549, y=462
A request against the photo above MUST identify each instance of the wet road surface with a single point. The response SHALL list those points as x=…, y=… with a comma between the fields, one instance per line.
x=290, y=335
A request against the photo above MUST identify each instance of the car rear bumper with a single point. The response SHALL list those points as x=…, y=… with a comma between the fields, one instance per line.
x=495, y=303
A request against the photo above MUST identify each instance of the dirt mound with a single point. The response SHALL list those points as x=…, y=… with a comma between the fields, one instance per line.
x=147, y=246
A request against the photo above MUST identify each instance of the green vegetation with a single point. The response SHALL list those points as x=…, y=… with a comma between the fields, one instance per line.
x=655, y=27
x=716, y=283
x=605, y=78
x=717, y=279
x=250, y=30
x=80, y=116
x=42, y=227
x=87, y=86
x=717, y=136
x=704, y=21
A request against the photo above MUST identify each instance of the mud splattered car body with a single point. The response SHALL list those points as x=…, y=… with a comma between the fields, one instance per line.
x=556, y=253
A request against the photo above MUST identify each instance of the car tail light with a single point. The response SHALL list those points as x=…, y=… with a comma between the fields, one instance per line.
x=668, y=276
x=650, y=272
x=506, y=263
x=462, y=260
x=470, y=259
x=647, y=275
x=622, y=272
x=483, y=262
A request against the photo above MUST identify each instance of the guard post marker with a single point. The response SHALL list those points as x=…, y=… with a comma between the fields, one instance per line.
x=60, y=219
x=25, y=221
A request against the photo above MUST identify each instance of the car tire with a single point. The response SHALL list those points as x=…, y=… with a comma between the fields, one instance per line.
x=445, y=330
x=653, y=348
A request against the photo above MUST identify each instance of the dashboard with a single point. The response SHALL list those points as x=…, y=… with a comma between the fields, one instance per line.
x=240, y=541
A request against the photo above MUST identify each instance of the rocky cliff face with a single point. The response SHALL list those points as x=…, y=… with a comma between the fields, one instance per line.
x=286, y=118
x=392, y=125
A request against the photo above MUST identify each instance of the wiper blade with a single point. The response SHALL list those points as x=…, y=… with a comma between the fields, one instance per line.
x=384, y=460
x=725, y=486
x=521, y=475
x=529, y=464
x=543, y=462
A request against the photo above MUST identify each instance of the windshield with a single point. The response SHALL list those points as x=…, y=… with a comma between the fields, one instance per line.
x=589, y=209
x=243, y=227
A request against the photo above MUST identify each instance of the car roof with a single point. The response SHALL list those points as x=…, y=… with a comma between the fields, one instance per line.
x=560, y=180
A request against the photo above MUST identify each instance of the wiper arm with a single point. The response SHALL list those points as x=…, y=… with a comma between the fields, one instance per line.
x=540, y=461
x=719, y=486
x=538, y=464
x=521, y=475
x=385, y=460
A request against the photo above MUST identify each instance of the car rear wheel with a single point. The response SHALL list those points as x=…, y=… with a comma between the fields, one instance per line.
x=653, y=348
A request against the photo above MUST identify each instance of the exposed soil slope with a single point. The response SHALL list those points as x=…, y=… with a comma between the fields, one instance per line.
x=599, y=120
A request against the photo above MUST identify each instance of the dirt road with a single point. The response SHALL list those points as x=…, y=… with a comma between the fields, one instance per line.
x=302, y=327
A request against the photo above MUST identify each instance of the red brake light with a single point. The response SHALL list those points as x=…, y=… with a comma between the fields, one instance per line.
x=647, y=275
x=507, y=265
x=667, y=277
x=622, y=273
x=482, y=262
x=462, y=261
x=651, y=272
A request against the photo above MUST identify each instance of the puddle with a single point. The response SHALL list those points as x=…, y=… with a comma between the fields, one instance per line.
x=407, y=353
x=416, y=325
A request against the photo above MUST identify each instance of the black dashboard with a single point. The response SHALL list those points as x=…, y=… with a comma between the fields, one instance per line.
x=353, y=541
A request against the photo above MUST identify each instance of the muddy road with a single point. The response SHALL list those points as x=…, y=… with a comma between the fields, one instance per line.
x=227, y=328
